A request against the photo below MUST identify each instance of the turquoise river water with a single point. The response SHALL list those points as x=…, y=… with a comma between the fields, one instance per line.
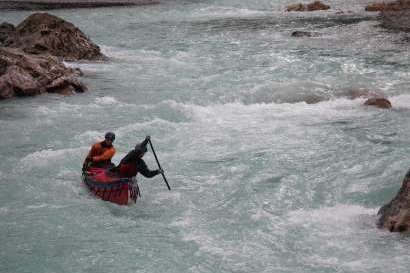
x=262, y=180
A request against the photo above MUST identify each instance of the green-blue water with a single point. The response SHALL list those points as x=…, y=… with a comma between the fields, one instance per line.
x=261, y=181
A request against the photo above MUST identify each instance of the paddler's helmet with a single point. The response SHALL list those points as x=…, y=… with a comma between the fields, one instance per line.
x=110, y=136
x=140, y=149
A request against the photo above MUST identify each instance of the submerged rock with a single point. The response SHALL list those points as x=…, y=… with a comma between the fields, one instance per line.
x=42, y=33
x=378, y=102
x=23, y=74
x=305, y=34
x=395, y=216
x=316, y=5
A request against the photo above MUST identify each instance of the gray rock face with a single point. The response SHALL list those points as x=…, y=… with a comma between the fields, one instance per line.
x=23, y=74
x=42, y=33
x=395, y=216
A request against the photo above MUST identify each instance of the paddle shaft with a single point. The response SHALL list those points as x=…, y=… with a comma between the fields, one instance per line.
x=159, y=165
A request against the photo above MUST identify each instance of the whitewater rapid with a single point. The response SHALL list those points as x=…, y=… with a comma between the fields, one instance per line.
x=273, y=166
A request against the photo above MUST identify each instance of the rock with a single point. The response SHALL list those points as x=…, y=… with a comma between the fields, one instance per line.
x=296, y=7
x=6, y=30
x=69, y=4
x=393, y=6
x=316, y=5
x=42, y=33
x=305, y=34
x=395, y=216
x=23, y=74
x=378, y=102
x=396, y=20
x=394, y=15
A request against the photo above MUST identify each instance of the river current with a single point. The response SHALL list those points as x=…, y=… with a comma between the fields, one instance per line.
x=263, y=180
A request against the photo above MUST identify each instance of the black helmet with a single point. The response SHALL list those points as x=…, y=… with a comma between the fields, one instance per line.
x=140, y=149
x=110, y=136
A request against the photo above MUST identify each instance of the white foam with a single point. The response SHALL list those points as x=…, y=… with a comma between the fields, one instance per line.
x=106, y=100
x=400, y=101
x=167, y=197
x=329, y=217
x=225, y=11
x=143, y=59
x=45, y=158
x=44, y=205
x=139, y=127
x=186, y=221
x=89, y=137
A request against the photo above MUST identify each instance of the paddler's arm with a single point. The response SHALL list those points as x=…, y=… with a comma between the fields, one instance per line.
x=143, y=169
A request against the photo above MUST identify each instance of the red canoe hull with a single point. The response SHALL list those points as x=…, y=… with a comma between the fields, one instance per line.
x=110, y=187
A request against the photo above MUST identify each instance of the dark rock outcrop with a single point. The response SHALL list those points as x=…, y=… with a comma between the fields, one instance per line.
x=316, y=5
x=395, y=216
x=378, y=102
x=305, y=34
x=23, y=74
x=6, y=30
x=42, y=33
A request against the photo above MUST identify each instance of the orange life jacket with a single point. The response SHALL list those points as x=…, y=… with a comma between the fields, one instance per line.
x=101, y=153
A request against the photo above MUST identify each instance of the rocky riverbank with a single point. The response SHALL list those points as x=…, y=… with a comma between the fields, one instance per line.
x=393, y=15
x=32, y=55
x=61, y=4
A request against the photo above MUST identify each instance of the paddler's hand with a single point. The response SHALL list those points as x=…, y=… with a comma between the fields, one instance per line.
x=85, y=166
x=160, y=171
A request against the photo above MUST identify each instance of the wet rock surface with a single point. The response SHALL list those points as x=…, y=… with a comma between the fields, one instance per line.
x=395, y=216
x=378, y=102
x=316, y=5
x=389, y=6
x=23, y=74
x=305, y=34
x=42, y=33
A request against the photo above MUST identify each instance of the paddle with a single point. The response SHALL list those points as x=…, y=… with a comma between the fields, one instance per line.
x=159, y=166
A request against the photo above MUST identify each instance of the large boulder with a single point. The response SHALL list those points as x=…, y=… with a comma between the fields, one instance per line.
x=395, y=216
x=316, y=5
x=42, y=33
x=23, y=74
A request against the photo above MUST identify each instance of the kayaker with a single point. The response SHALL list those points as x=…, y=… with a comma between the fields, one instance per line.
x=101, y=153
x=132, y=163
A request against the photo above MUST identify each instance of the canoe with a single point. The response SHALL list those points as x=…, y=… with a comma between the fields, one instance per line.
x=110, y=187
